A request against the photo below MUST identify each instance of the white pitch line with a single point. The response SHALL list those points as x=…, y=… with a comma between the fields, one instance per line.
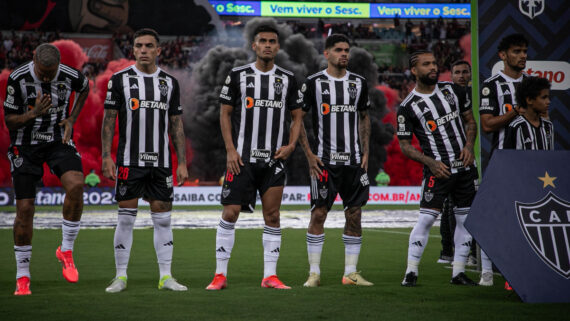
x=210, y=219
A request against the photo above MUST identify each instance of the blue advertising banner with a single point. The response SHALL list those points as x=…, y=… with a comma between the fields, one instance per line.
x=237, y=8
x=420, y=10
x=362, y=10
x=521, y=218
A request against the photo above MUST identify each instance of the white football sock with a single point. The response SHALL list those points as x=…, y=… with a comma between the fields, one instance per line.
x=486, y=264
x=225, y=238
x=163, y=241
x=271, y=247
x=462, y=240
x=23, y=256
x=419, y=238
x=69, y=231
x=314, y=249
x=351, y=252
x=123, y=240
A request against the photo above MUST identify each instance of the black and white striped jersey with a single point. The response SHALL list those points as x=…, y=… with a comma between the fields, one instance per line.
x=436, y=121
x=498, y=98
x=21, y=92
x=144, y=103
x=521, y=134
x=335, y=104
x=259, y=100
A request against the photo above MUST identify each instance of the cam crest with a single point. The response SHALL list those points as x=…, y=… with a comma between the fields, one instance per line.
x=546, y=226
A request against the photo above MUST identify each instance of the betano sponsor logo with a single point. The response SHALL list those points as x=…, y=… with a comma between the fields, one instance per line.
x=135, y=104
x=264, y=103
x=432, y=125
x=327, y=109
x=557, y=72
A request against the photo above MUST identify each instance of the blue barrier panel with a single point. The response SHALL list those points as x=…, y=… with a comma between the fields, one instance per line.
x=521, y=218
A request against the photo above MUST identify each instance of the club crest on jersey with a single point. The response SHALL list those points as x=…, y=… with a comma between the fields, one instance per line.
x=61, y=92
x=163, y=87
x=544, y=223
x=364, y=180
x=278, y=85
x=122, y=189
x=352, y=89
x=531, y=8
x=450, y=99
x=323, y=192
x=10, y=90
x=18, y=161
x=428, y=196
x=225, y=192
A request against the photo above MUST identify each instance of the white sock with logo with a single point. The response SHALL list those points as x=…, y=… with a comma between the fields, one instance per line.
x=123, y=239
x=163, y=241
x=315, y=244
x=352, y=246
x=69, y=231
x=23, y=256
x=271, y=248
x=486, y=264
x=225, y=238
x=462, y=240
x=419, y=238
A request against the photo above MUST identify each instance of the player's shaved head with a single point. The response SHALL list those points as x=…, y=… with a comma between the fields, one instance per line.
x=47, y=55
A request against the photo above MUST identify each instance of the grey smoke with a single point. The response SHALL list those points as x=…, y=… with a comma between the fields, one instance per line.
x=298, y=54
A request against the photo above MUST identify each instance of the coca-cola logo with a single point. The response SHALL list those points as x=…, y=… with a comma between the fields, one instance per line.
x=97, y=51
x=557, y=72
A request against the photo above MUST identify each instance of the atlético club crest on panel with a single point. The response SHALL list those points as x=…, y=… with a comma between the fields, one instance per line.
x=531, y=8
x=546, y=225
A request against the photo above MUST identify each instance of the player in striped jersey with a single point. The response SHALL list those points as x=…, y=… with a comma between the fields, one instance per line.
x=499, y=107
x=147, y=102
x=254, y=100
x=440, y=116
x=530, y=130
x=37, y=115
x=498, y=94
x=339, y=103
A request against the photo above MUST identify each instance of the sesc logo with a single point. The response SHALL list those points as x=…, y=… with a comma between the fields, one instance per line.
x=557, y=72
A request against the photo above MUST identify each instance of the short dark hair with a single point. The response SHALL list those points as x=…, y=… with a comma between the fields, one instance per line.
x=460, y=62
x=415, y=55
x=264, y=28
x=334, y=39
x=47, y=55
x=530, y=87
x=515, y=39
x=146, y=32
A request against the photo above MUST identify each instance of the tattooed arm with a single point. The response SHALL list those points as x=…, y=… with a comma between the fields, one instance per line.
x=467, y=154
x=107, y=133
x=176, y=132
x=439, y=169
x=364, y=131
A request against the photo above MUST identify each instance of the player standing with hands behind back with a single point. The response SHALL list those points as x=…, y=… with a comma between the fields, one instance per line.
x=147, y=102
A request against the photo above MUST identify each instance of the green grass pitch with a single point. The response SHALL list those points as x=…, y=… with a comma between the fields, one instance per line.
x=382, y=261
